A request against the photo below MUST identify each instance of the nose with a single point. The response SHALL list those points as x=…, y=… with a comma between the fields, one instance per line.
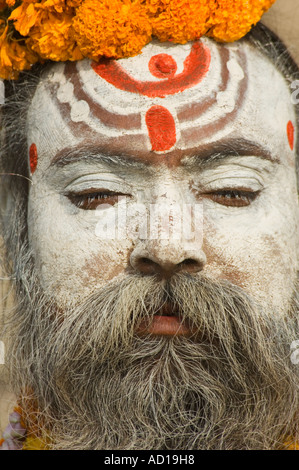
x=174, y=242
x=166, y=260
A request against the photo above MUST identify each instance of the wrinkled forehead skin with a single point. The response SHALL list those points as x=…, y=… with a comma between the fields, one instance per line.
x=166, y=102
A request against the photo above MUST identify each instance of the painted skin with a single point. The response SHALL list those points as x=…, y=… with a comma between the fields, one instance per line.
x=230, y=154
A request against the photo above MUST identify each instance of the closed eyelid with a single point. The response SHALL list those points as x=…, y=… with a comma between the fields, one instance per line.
x=227, y=184
x=91, y=200
x=97, y=184
x=233, y=198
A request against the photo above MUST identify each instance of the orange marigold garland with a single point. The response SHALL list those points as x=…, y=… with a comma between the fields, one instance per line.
x=180, y=20
x=232, y=19
x=52, y=38
x=47, y=25
x=112, y=28
x=14, y=54
x=60, y=30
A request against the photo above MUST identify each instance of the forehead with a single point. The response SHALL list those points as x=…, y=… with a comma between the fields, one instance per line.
x=167, y=102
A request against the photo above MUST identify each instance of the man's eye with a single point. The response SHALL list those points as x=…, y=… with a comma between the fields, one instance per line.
x=91, y=200
x=233, y=198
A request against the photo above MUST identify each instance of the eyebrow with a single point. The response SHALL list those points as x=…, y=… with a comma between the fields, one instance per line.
x=89, y=154
x=218, y=151
x=205, y=155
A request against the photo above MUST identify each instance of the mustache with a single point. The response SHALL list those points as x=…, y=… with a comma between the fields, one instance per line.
x=220, y=315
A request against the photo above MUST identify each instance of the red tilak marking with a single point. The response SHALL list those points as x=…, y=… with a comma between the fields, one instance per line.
x=196, y=66
x=162, y=66
x=161, y=128
x=33, y=157
x=291, y=134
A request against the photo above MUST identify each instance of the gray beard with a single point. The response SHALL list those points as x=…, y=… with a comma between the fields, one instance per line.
x=98, y=385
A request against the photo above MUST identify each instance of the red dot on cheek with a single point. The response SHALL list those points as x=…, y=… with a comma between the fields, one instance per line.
x=33, y=157
x=291, y=134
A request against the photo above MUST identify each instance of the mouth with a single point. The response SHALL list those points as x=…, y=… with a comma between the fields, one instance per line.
x=166, y=322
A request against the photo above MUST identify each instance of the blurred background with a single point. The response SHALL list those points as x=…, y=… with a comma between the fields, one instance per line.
x=283, y=19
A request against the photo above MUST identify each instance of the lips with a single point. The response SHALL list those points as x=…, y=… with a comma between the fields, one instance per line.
x=166, y=322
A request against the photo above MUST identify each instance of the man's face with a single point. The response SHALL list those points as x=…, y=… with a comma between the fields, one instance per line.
x=206, y=130
x=163, y=221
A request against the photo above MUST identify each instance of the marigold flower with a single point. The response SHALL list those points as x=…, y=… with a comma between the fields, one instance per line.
x=14, y=55
x=73, y=3
x=179, y=20
x=290, y=444
x=7, y=3
x=52, y=37
x=114, y=28
x=25, y=16
x=59, y=6
x=30, y=12
x=3, y=4
x=35, y=443
x=232, y=19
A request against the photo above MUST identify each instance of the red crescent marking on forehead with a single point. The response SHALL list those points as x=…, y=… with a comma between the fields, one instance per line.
x=196, y=66
x=291, y=134
x=162, y=66
x=33, y=157
x=161, y=128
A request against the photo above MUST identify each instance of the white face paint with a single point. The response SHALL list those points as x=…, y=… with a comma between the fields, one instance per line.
x=207, y=125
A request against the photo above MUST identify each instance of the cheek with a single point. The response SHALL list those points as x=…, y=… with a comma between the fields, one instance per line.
x=71, y=260
x=107, y=262
x=258, y=258
x=72, y=273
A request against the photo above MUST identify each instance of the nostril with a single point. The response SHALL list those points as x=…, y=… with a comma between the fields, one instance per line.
x=147, y=265
x=146, y=261
x=188, y=262
x=189, y=265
